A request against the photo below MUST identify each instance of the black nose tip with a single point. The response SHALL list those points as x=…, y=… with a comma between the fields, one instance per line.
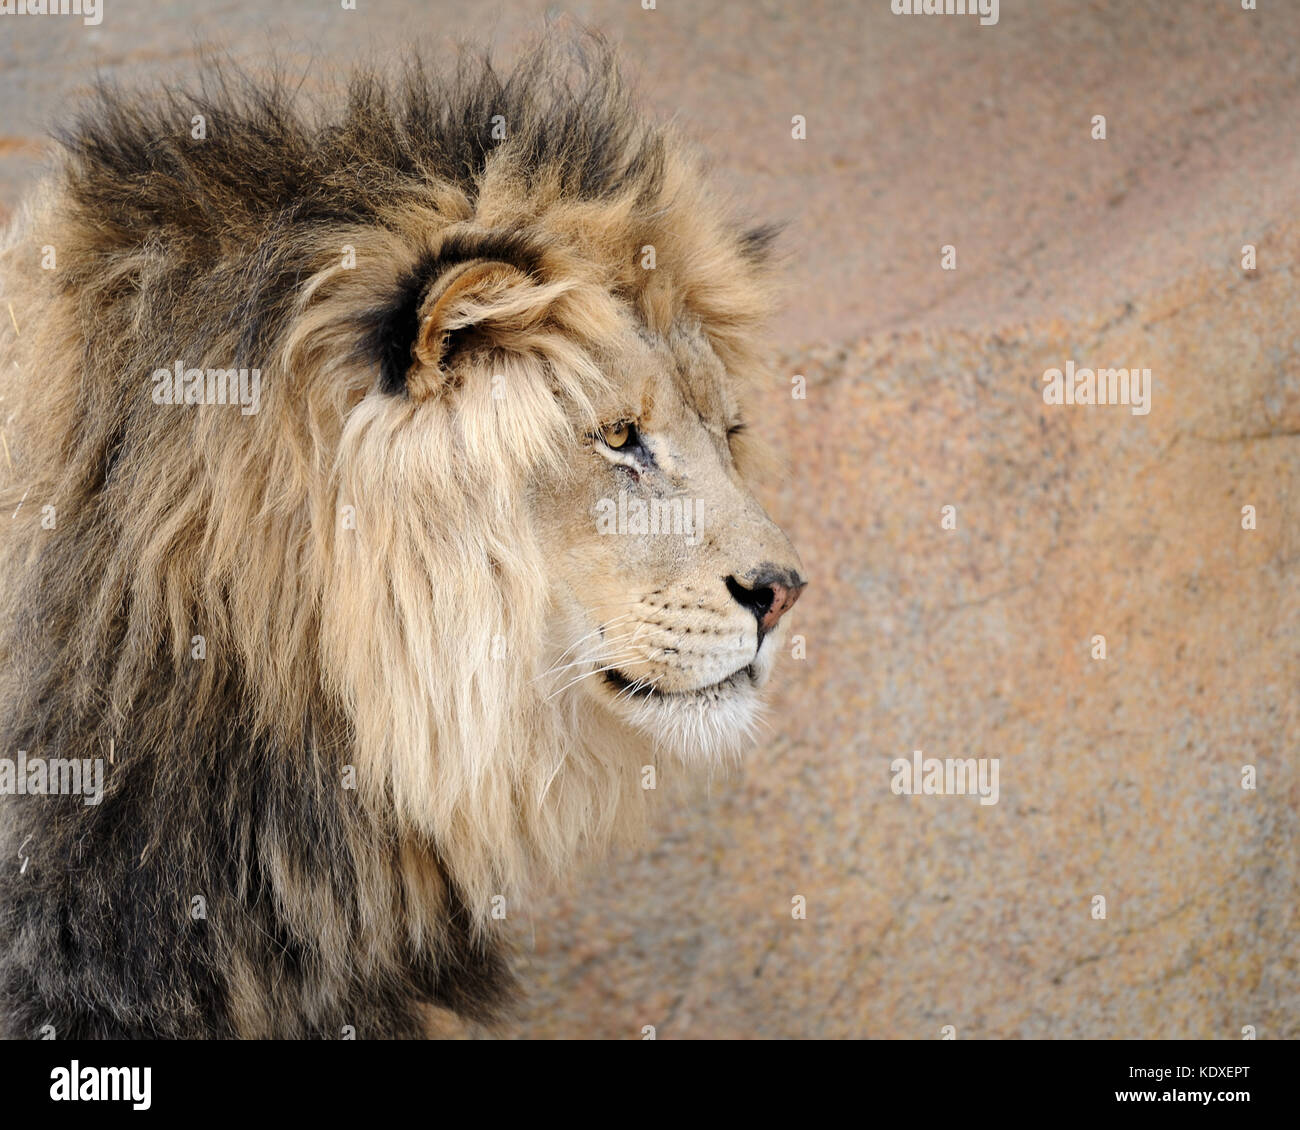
x=769, y=596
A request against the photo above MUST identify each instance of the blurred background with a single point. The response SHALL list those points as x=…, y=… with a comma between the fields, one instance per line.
x=1119, y=777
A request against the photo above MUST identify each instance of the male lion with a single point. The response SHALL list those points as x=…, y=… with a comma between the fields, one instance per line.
x=379, y=499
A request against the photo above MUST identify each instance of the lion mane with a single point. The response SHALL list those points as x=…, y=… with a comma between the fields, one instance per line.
x=312, y=685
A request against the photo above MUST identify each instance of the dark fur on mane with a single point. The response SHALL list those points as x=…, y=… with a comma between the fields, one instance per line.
x=268, y=166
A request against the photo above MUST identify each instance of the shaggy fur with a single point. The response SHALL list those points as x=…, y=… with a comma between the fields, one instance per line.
x=320, y=642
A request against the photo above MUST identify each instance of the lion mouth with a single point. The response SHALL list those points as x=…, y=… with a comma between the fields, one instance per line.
x=639, y=688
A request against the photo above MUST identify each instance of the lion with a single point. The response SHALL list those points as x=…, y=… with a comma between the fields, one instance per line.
x=380, y=480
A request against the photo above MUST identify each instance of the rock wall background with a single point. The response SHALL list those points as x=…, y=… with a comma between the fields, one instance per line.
x=1119, y=777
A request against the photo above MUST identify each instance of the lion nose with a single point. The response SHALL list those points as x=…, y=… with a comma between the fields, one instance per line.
x=769, y=595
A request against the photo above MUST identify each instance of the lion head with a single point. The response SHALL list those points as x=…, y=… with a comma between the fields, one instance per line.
x=487, y=539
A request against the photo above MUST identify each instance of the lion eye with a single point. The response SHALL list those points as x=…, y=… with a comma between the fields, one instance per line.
x=617, y=435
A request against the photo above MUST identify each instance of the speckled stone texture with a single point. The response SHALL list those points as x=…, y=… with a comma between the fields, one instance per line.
x=1119, y=777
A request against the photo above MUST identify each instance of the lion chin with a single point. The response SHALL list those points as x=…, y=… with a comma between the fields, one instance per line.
x=701, y=726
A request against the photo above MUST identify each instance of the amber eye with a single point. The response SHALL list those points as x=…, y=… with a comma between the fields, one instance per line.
x=617, y=435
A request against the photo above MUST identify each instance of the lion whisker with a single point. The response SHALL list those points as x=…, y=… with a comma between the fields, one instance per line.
x=608, y=646
x=638, y=685
x=585, y=675
x=595, y=631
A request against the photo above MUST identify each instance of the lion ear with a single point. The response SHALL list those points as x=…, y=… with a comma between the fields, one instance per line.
x=463, y=301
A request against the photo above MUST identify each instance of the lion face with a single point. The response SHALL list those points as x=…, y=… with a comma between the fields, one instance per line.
x=674, y=580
